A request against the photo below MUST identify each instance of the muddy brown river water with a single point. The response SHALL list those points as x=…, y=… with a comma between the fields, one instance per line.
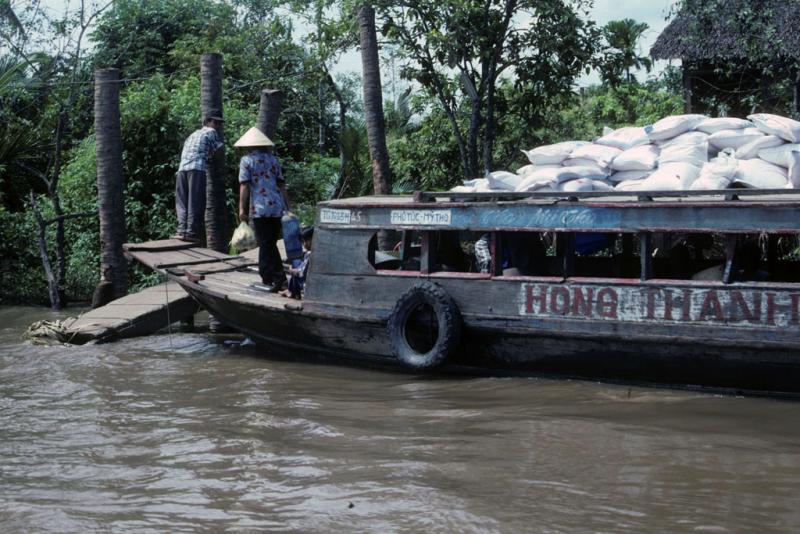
x=183, y=433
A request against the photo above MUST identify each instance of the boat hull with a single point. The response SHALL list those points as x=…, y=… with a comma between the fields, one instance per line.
x=491, y=349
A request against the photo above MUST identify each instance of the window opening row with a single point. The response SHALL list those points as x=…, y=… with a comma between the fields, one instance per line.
x=696, y=256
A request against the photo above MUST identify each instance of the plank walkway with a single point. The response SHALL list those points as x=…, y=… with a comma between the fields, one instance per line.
x=156, y=307
x=137, y=314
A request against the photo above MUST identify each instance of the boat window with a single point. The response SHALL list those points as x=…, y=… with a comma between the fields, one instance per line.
x=714, y=257
x=782, y=258
x=403, y=253
x=524, y=254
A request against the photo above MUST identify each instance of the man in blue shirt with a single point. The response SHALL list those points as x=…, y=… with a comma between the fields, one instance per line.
x=190, y=180
x=263, y=199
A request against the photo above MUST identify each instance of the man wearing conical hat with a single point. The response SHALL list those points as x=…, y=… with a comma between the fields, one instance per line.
x=263, y=200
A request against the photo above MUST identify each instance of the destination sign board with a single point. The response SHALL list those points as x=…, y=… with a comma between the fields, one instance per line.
x=333, y=216
x=421, y=217
x=746, y=307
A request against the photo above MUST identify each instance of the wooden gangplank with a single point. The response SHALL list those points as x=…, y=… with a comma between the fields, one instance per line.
x=156, y=307
x=137, y=314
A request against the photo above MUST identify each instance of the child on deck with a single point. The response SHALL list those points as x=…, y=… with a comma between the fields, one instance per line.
x=298, y=272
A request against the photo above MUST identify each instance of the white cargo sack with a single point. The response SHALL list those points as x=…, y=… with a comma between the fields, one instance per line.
x=640, y=158
x=759, y=174
x=583, y=162
x=624, y=138
x=629, y=185
x=718, y=124
x=527, y=169
x=503, y=181
x=734, y=138
x=671, y=177
x=783, y=127
x=689, y=148
x=556, y=176
x=779, y=155
x=601, y=155
x=624, y=176
x=462, y=189
x=244, y=238
x=717, y=173
x=794, y=169
x=670, y=127
x=552, y=154
x=751, y=149
x=584, y=185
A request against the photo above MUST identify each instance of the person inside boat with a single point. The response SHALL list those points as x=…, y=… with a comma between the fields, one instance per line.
x=298, y=271
x=263, y=198
x=522, y=251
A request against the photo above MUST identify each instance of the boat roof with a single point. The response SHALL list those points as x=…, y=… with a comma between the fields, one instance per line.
x=724, y=211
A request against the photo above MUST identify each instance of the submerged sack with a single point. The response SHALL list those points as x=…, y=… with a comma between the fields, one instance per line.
x=783, y=127
x=244, y=238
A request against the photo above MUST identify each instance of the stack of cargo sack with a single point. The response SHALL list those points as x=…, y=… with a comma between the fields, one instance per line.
x=677, y=153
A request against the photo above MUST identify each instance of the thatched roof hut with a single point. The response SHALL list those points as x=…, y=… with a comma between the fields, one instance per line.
x=728, y=36
x=735, y=32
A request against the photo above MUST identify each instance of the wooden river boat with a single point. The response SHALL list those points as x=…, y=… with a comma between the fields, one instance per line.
x=633, y=310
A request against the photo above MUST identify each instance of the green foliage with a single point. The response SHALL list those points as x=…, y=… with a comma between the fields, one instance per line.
x=457, y=51
x=621, y=54
x=309, y=182
x=628, y=105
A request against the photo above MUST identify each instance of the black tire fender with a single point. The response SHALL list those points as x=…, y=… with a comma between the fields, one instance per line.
x=448, y=319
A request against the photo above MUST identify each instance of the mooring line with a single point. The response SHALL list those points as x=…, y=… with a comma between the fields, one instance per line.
x=169, y=321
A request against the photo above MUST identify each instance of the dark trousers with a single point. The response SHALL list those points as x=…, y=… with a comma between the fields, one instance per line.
x=190, y=202
x=268, y=231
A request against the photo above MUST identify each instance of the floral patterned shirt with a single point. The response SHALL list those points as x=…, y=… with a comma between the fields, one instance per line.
x=262, y=171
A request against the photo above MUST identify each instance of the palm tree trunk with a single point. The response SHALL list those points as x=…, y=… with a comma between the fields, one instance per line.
x=373, y=108
x=211, y=105
x=339, y=186
x=110, y=185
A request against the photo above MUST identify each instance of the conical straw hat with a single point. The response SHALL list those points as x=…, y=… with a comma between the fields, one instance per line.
x=252, y=138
